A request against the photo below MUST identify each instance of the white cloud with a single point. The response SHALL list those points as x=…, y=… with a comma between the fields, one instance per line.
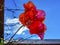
x=23, y=33
x=35, y=37
x=8, y=31
x=15, y=28
x=9, y=21
x=21, y=30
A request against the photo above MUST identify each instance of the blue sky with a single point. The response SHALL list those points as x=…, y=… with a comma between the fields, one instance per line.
x=52, y=21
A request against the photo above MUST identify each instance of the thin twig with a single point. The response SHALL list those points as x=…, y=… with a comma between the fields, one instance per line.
x=15, y=33
x=14, y=3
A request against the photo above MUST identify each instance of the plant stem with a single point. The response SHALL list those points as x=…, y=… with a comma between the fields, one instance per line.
x=15, y=33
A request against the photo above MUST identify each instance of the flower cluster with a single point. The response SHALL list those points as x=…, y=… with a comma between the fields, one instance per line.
x=33, y=19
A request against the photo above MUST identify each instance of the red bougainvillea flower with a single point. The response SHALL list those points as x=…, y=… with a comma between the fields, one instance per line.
x=33, y=19
x=29, y=5
x=30, y=9
x=31, y=14
x=40, y=15
x=41, y=35
x=22, y=19
x=37, y=27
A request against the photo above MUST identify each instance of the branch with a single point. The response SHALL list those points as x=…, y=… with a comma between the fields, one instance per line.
x=15, y=33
